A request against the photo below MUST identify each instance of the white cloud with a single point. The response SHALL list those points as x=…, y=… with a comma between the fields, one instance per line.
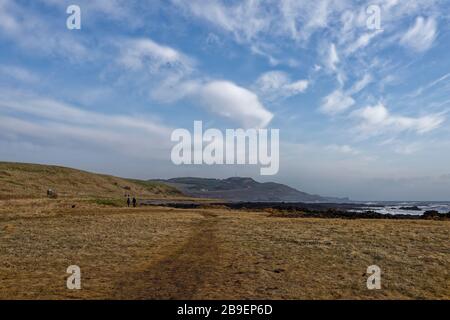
x=336, y=102
x=48, y=121
x=117, y=10
x=421, y=36
x=173, y=76
x=258, y=23
x=345, y=149
x=407, y=149
x=256, y=50
x=274, y=85
x=21, y=25
x=332, y=58
x=249, y=19
x=430, y=85
x=339, y=101
x=362, y=42
x=222, y=98
x=236, y=103
x=173, y=88
x=377, y=119
x=297, y=86
x=361, y=84
x=18, y=73
x=244, y=20
x=158, y=71
x=138, y=53
x=302, y=18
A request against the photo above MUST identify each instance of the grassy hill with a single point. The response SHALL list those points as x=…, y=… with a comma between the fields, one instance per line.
x=240, y=189
x=21, y=181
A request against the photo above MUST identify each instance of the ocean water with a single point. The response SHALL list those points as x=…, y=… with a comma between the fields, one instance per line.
x=395, y=208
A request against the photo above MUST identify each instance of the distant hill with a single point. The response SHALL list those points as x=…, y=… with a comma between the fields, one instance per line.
x=243, y=189
x=21, y=180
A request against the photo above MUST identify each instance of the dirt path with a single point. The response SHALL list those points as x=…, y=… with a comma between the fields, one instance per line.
x=182, y=273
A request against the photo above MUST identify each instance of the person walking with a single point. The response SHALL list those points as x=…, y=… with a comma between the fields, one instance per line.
x=134, y=202
x=128, y=201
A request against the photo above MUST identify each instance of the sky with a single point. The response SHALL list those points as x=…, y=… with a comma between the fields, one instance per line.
x=362, y=109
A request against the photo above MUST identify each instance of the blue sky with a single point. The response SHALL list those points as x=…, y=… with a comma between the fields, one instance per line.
x=362, y=112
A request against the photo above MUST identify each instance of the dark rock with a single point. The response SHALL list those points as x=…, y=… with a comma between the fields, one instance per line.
x=413, y=208
x=52, y=194
x=431, y=214
x=279, y=270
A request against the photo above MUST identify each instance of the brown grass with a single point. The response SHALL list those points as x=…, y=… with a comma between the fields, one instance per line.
x=24, y=181
x=153, y=253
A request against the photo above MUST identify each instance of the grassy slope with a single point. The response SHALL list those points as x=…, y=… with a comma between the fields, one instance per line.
x=19, y=181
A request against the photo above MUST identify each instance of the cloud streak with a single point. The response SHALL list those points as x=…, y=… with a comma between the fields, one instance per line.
x=377, y=119
x=48, y=121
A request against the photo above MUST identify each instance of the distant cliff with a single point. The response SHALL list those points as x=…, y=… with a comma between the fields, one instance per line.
x=243, y=189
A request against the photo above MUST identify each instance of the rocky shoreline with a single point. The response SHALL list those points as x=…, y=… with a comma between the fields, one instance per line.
x=304, y=210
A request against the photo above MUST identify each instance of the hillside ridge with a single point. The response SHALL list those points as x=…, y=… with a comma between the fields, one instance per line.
x=243, y=189
x=26, y=180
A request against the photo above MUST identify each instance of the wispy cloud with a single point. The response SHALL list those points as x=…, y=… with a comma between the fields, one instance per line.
x=339, y=100
x=332, y=58
x=345, y=149
x=245, y=20
x=115, y=10
x=407, y=149
x=146, y=53
x=362, y=42
x=361, y=84
x=30, y=31
x=377, y=119
x=48, y=121
x=176, y=79
x=274, y=85
x=18, y=73
x=421, y=36
x=430, y=85
x=336, y=102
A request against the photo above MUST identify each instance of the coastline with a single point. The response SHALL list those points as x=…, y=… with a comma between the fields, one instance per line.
x=301, y=210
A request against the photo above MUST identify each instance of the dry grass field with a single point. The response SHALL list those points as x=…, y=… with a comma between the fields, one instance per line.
x=163, y=253
x=166, y=253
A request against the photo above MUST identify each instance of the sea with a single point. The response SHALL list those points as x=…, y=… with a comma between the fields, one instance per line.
x=408, y=208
